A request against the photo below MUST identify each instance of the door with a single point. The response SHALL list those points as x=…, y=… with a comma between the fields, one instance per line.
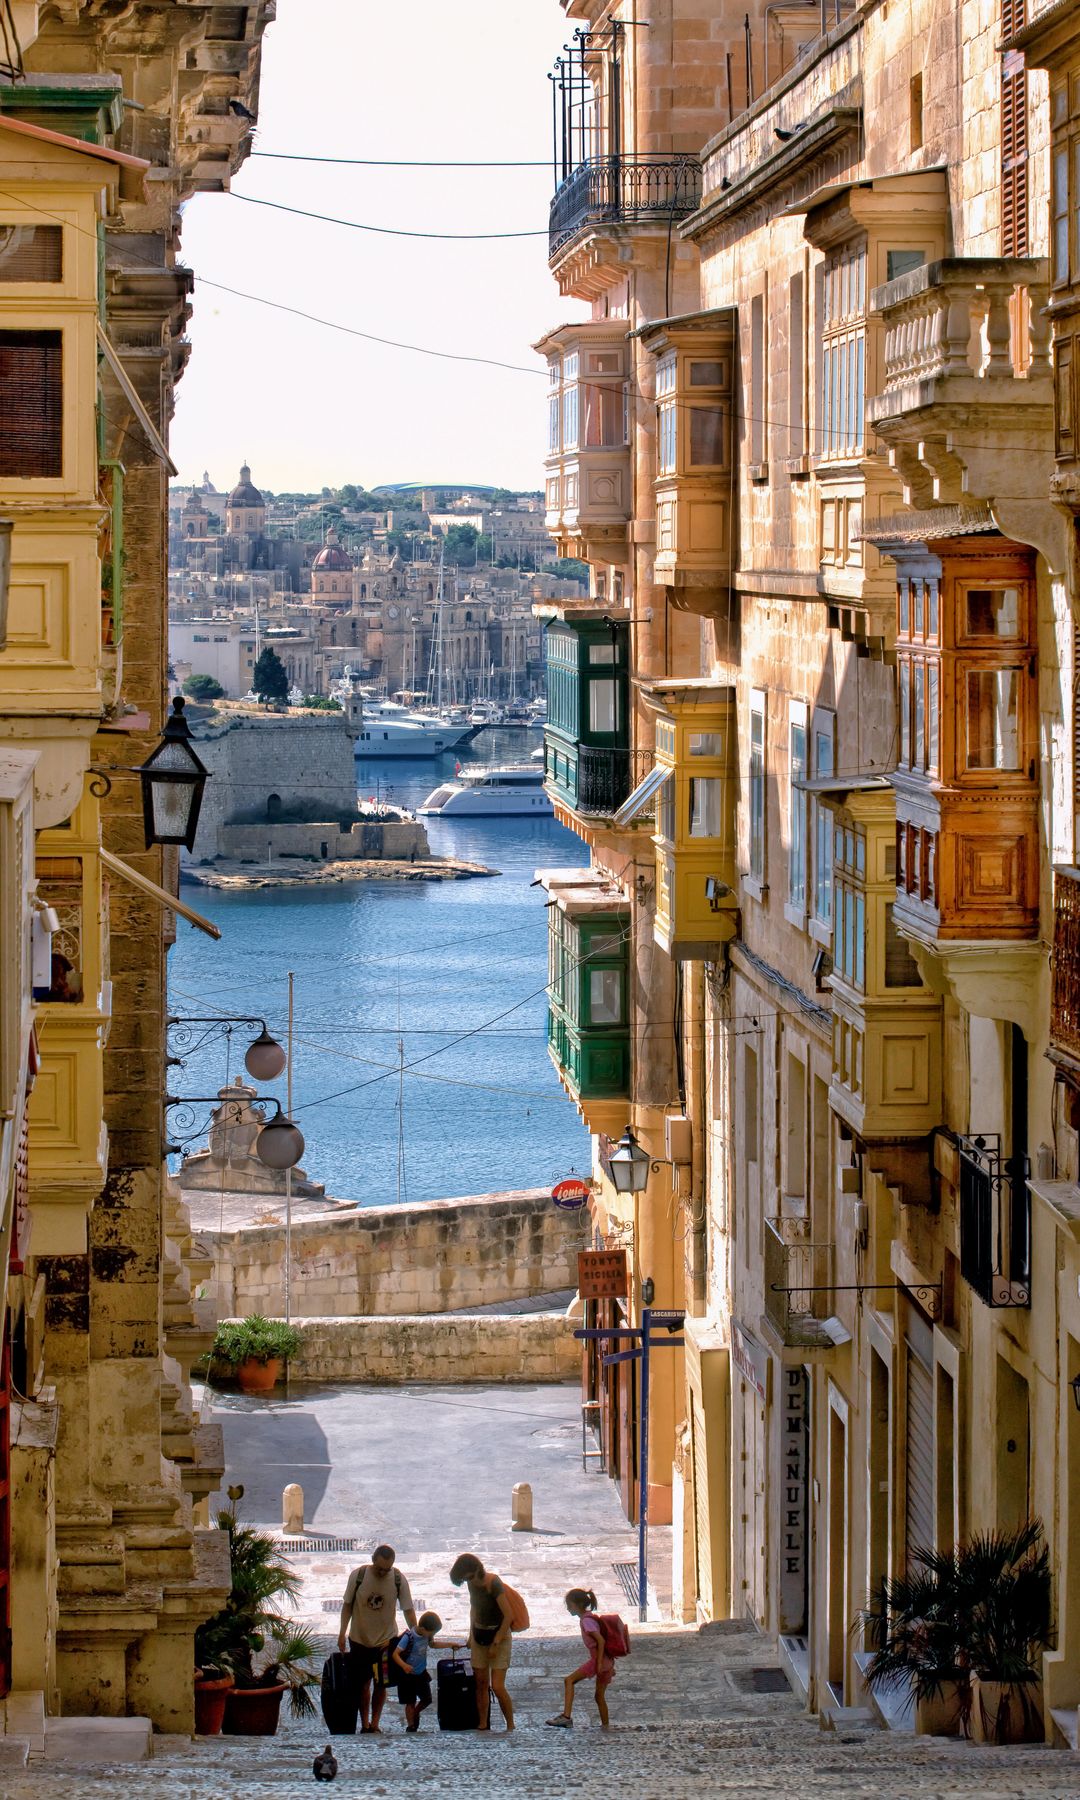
x=5, y=1513
x=919, y=1496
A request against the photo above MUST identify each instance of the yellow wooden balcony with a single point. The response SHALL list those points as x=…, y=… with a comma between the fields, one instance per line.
x=694, y=370
x=694, y=782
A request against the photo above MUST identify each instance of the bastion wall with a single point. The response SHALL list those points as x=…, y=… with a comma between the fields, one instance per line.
x=432, y=1257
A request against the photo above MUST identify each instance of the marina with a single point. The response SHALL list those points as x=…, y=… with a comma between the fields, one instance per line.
x=453, y=972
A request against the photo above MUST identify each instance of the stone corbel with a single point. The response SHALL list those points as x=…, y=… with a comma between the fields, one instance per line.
x=918, y=480
x=945, y=469
x=998, y=980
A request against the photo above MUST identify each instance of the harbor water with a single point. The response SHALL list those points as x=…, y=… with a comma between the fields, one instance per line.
x=453, y=971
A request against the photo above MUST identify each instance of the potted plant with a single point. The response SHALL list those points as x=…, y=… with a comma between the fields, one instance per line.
x=254, y=1350
x=913, y=1630
x=262, y=1653
x=1005, y=1594
x=211, y=1686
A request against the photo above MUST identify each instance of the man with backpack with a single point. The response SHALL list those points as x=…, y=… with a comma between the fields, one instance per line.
x=369, y=1628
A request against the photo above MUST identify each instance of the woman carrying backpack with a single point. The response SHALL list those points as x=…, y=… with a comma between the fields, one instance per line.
x=495, y=1610
x=605, y=1637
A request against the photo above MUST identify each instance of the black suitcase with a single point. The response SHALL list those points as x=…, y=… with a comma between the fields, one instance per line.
x=340, y=1698
x=455, y=1698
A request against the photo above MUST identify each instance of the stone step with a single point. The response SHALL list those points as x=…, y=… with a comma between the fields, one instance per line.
x=98, y=1741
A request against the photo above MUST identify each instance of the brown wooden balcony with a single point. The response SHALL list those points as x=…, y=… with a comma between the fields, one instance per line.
x=1065, y=972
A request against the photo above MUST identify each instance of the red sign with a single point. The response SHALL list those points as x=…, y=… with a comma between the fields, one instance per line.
x=571, y=1193
x=602, y=1274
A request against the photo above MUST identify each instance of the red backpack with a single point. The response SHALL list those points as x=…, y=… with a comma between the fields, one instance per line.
x=616, y=1634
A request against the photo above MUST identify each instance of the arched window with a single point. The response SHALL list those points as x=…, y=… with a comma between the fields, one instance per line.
x=273, y=806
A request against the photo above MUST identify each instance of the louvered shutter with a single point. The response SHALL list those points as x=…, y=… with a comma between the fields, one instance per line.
x=919, y=1507
x=1014, y=182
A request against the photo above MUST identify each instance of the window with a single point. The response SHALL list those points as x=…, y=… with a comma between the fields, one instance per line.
x=1014, y=144
x=758, y=381
x=901, y=969
x=843, y=353
x=707, y=437
x=824, y=766
x=798, y=807
x=757, y=786
x=605, y=997
x=706, y=799
x=849, y=929
x=993, y=704
x=31, y=253
x=796, y=365
x=667, y=419
x=570, y=402
x=31, y=404
x=603, y=706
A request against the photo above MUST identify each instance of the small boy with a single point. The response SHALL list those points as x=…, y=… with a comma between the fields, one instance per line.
x=410, y=1657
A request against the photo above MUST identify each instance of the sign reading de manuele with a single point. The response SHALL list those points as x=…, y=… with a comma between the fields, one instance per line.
x=602, y=1274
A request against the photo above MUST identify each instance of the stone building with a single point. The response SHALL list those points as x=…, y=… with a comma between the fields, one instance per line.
x=816, y=723
x=102, y=1458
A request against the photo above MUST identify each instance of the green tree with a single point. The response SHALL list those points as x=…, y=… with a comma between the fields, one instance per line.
x=567, y=568
x=203, y=688
x=270, y=680
x=463, y=545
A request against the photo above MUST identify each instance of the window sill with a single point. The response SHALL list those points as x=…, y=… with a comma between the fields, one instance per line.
x=795, y=915
x=797, y=468
x=820, y=932
x=758, y=472
x=756, y=890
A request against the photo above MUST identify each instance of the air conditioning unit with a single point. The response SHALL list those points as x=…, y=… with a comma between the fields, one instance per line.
x=678, y=1138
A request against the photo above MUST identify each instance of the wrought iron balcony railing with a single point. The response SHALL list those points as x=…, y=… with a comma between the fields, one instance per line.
x=596, y=779
x=1065, y=968
x=623, y=190
x=798, y=1277
x=995, y=1222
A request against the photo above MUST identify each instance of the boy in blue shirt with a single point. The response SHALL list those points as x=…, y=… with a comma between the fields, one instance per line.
x=410, y=1659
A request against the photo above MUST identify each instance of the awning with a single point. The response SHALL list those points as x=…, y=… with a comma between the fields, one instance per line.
x=642, y=794
x=124, y=383
x=838, y=785
x=117, y=866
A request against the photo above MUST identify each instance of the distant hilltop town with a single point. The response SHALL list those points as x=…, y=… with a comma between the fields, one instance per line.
x=349, y=581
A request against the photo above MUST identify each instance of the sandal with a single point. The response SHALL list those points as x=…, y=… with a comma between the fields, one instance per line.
x=559, y=1719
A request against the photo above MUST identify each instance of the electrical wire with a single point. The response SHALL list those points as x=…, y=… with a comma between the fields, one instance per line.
x=385, y=230
x=368, y=162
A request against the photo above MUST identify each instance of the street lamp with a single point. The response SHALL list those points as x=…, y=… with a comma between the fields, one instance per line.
x=280, y=1143
x=1075, y=1385
x=629, y=1165
x=173, y=778
x=265, y=1057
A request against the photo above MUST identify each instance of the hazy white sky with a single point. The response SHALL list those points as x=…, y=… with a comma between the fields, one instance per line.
x=306, y=405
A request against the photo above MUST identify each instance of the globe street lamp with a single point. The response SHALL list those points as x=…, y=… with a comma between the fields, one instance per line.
x=173, y=778
x=265, y=1057
x=280, y=1143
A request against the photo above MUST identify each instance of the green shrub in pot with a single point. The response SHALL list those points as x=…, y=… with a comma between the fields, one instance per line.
x=254, y=1339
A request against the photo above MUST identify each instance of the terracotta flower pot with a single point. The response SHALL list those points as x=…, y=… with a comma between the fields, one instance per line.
x=210, y=1695
x=1005, y=1712
x=941, y=1714
x=252, y=1712
x=258, y=1377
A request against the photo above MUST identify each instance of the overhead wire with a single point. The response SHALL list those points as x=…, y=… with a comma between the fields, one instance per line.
x=369, y=162
x=384, y=230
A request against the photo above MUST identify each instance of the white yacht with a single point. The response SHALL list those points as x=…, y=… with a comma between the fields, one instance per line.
x=510, y=791
x=388, y=729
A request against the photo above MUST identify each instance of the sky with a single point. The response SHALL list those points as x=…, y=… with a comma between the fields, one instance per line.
x=307, y=406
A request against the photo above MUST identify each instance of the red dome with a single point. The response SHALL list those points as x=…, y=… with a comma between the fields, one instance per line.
x=332, y=556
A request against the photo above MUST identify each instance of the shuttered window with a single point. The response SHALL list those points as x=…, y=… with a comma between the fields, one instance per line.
x=919, y=1509
x=31, y=404
x=1014, y=146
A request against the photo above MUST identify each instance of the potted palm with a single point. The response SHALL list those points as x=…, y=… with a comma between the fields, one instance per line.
x=251, y=1641
x=254, y=1351
x=913, y=1629
x=1005, y=1593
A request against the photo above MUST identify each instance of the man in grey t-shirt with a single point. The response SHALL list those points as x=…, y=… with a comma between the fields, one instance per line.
x=369, y=1625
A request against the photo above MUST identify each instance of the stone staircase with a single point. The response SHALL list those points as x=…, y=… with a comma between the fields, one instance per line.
x=694, y=1714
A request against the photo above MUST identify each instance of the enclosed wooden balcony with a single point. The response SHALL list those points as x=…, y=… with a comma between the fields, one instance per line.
x=587, y=479
x=693, y=378
x=587, y=759
x=1065, y=974
x=588, y=1001
x=691, y=790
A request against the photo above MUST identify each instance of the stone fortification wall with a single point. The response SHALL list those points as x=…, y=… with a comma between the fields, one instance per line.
x=272, y=768
x=428, y=1258
x=451, y=1348
x=393, y=840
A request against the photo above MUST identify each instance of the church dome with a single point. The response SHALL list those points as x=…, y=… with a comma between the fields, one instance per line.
x=245, y=493
x=332, y=556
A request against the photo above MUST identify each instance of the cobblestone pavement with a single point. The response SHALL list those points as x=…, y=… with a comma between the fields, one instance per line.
x=688, y=1719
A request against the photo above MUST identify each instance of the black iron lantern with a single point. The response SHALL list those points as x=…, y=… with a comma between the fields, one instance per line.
x=1075, y=1385
x=173, y=779
x=629, y=1165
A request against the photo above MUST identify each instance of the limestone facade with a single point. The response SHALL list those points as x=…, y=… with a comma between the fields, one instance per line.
x=107, y=1457
x=864, y=561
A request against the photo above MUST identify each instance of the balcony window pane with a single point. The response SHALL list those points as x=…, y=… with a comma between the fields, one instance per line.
x=904, y=601
x=31, y=252
x=993, y=701
x=901, y=262
x=917, y=609
x=932, y=718
x=570, y=418
x=665, y=812
x=603, y=707
x=706, y=799
x=706, y=436
x=553, y=422
x=931, y=609
x=905, y=712
x=605, y=997
x=919, y=672
x=706, y=374
x=705, y=743
x=901, y=969
x=859, y=972
x=603, y=416
x=601, y=653
x=668, y=429
x=31, y=404
x=1060, y=200
x=993, y=612
x=665, y=376
x=799, y=804
x=757, y=791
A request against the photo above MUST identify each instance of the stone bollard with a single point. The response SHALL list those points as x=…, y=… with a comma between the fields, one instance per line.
x=292, y=1510
x=521, y=1507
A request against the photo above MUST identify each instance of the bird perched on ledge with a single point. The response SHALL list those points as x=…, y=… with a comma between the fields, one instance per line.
x=324, y=1768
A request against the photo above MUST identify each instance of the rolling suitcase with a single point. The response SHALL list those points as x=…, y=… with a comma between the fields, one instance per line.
x=455, y=1698
x=340, y=1699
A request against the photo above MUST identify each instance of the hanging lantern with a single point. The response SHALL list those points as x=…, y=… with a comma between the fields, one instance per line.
x=629, y=1165
x=265, y=1058
x=280, y=1143
x=173, y=779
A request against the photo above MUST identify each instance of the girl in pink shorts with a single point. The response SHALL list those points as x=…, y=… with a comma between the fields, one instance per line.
x=581, y=1603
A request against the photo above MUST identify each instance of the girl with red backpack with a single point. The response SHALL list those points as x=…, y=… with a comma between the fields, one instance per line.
x=605, y=1637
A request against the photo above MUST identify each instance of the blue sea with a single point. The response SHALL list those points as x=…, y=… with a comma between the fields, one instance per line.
x=455, y=970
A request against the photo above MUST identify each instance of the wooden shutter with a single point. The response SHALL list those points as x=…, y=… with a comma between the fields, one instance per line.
x=1014, y=184
x=702, y=1528
x=919, y=1504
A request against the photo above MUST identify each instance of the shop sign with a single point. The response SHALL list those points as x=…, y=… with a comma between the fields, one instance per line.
x=750, y=1358
x=572, y=1193
x=794, y=1455
x=603, y=1274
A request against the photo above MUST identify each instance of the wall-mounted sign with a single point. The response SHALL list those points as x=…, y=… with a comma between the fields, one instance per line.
x=572, y=1193
x=750, y=1358
x=794, y=1457
x=603, y=1274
